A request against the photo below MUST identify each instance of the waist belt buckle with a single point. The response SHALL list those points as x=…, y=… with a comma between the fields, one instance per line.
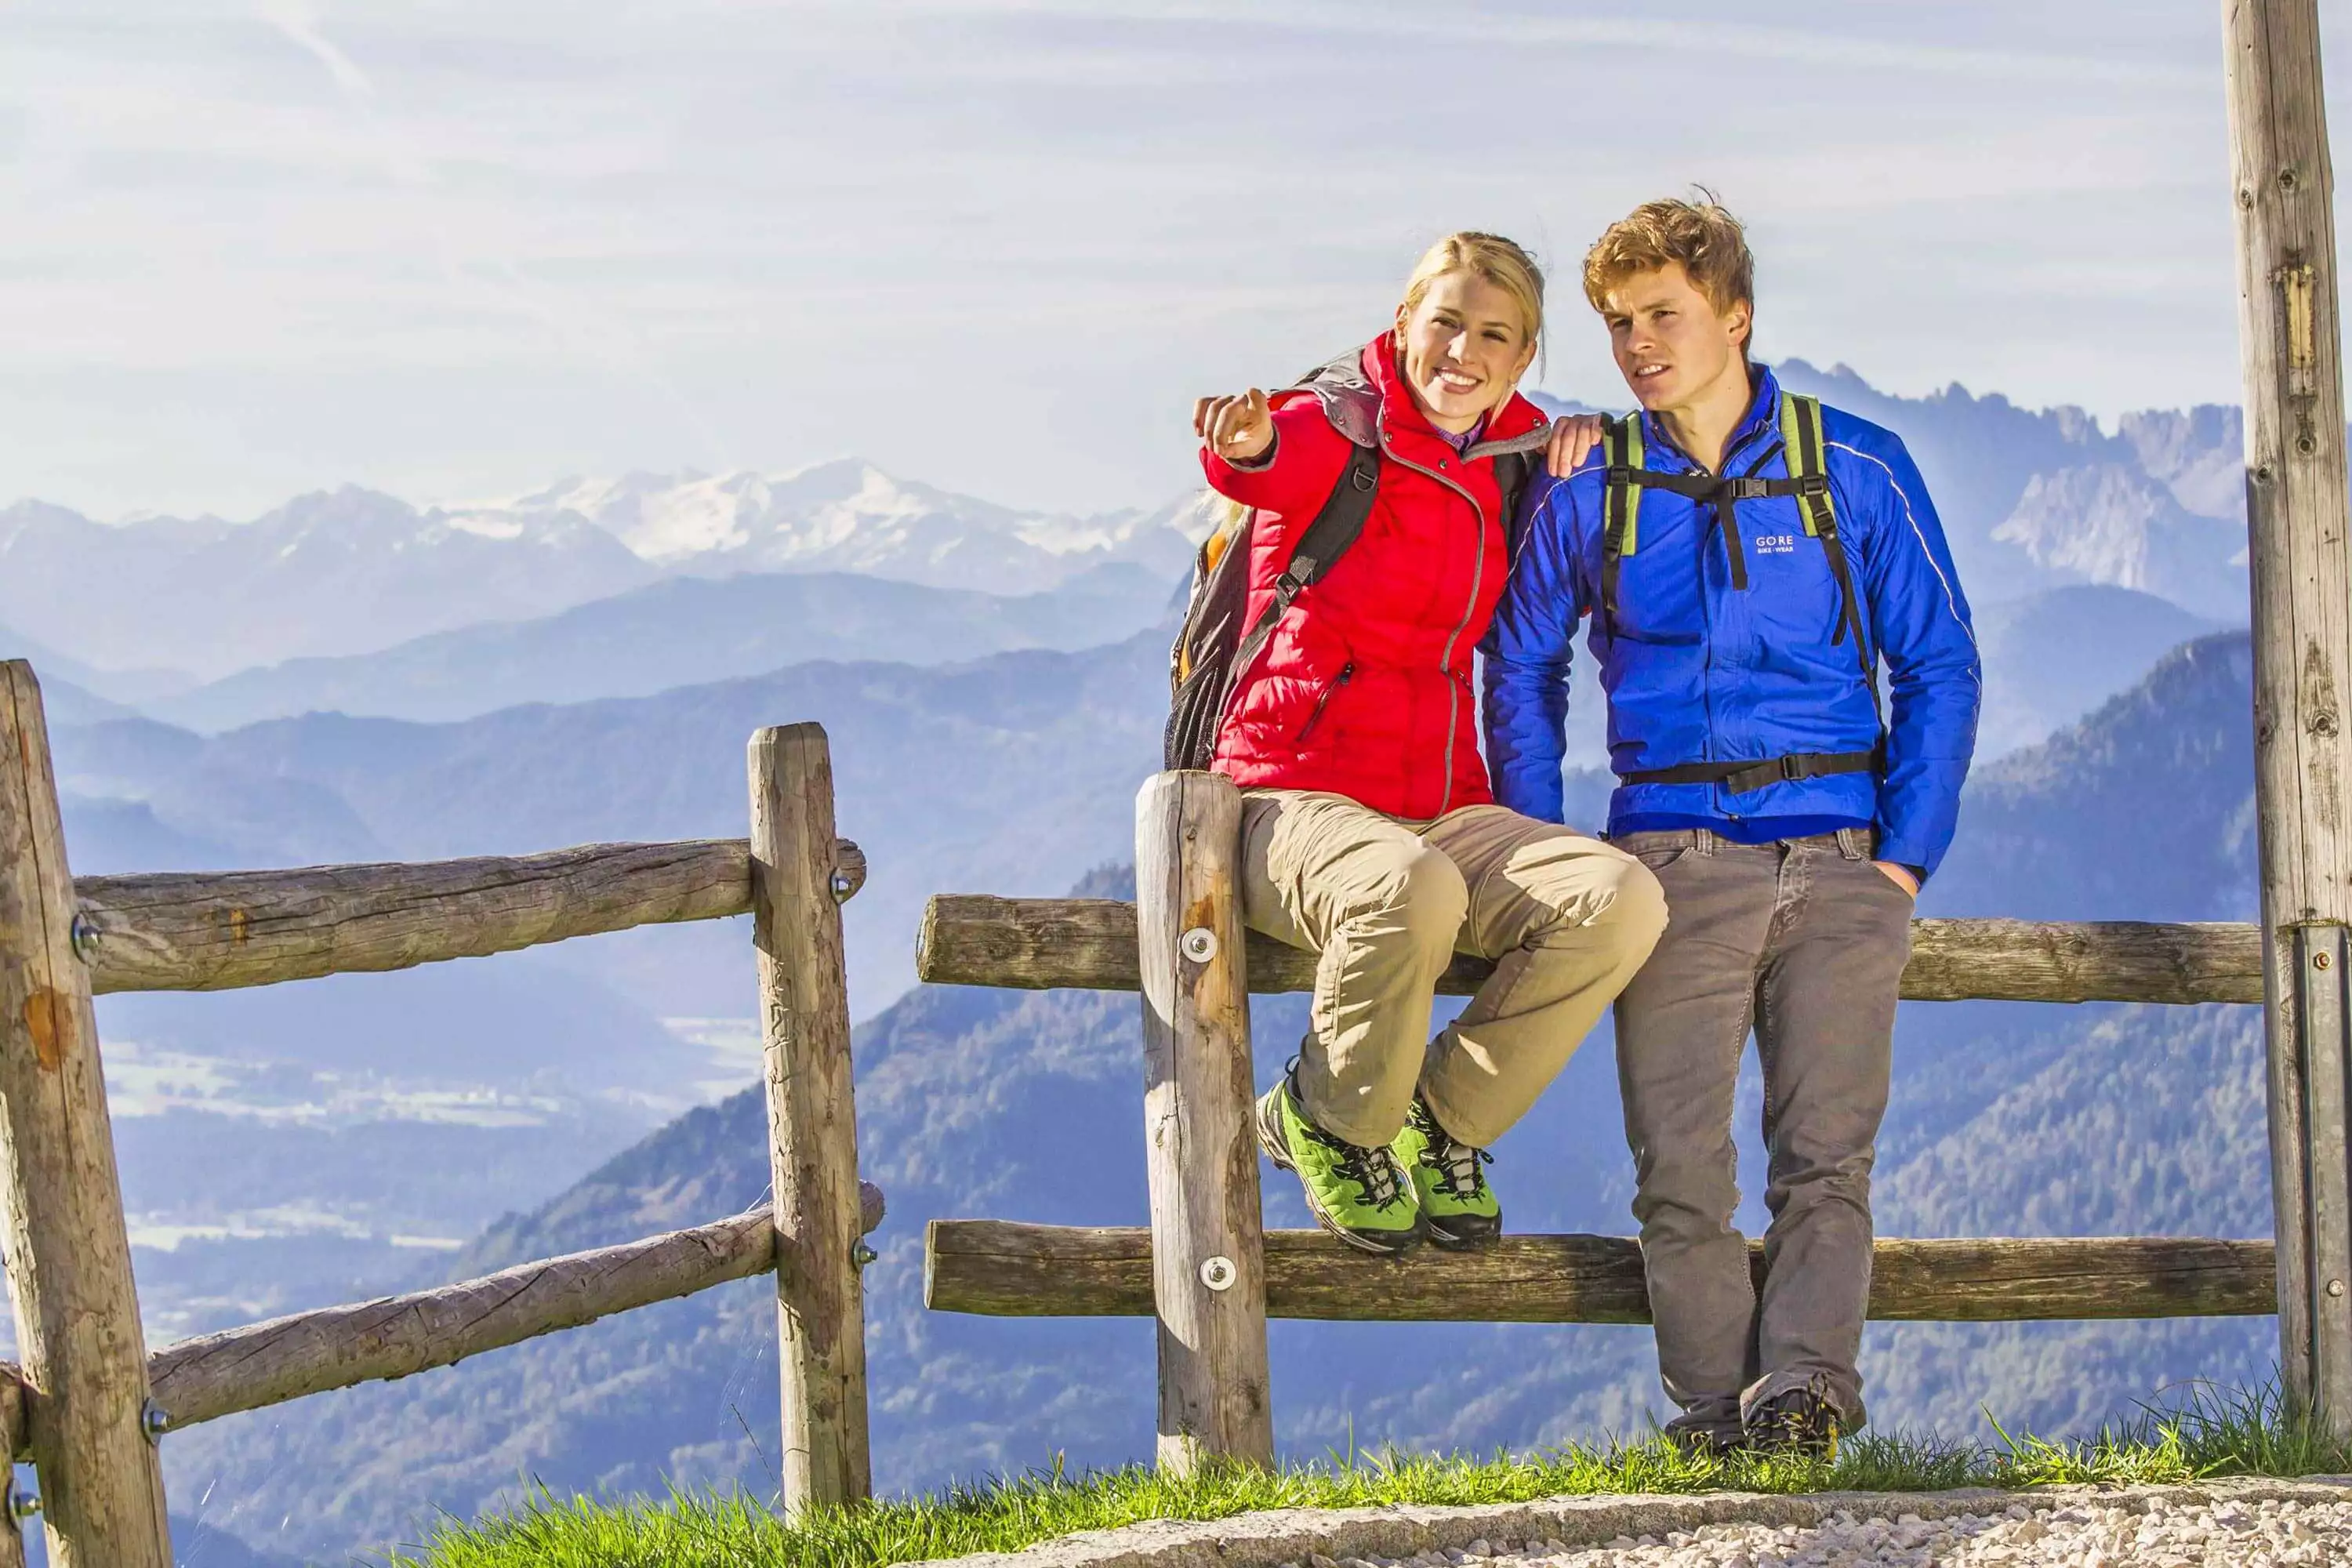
x=1792, y=769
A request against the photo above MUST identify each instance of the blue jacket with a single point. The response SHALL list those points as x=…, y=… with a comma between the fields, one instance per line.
x=1700, y=671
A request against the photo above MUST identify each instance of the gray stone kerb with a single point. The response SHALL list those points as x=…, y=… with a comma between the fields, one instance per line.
x=1399, y=1530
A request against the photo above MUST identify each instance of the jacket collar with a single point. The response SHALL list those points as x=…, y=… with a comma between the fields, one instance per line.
x=1402, y=415
x=1763, y=414
x=1364, y=395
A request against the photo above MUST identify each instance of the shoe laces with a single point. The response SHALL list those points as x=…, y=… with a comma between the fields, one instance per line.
x=1804, y=1414
x=1373, y=1170
x=1456, y=1164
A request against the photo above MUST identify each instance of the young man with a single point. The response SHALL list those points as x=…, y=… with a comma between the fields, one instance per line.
x=1748, y=559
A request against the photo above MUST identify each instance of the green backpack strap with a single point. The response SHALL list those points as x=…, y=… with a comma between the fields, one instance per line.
x=1620, y=507
x=1805, y=449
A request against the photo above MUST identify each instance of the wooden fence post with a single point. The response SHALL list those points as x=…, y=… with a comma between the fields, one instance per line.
x=812, y=1117
x=2301, y=578
x=1208, y=1263
x=85, y=1356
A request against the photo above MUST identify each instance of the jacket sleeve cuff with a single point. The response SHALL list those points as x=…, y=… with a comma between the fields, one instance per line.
x=1908, y=853
x=1258, y=464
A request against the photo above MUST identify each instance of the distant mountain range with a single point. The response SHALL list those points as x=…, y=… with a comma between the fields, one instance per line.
x=297, y=1145
x=354, y=571
x=2034, y=498
x=681, y=631
x=850, y=516
x=336, y=572
x=150, y=608
x=2008, y=1120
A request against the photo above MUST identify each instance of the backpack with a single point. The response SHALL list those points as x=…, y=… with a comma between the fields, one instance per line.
x=1212, y=650
x=1809, y=481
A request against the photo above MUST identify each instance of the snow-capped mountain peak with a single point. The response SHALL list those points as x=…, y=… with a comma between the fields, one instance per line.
x=848, y=515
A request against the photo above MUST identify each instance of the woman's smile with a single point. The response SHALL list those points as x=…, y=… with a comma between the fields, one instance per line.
x=1464, y=339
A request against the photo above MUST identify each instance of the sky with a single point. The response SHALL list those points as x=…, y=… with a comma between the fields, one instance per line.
x=456, y=250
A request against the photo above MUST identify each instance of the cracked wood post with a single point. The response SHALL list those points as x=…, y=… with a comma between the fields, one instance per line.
x=1208, y=1271
x=2302, y=581
x=85, y=1357
x=812, y=1117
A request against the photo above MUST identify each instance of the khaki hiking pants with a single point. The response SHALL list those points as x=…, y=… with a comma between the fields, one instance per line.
x=1567, y=919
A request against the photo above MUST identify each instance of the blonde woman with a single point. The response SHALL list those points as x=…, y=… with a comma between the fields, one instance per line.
x=1371, y=833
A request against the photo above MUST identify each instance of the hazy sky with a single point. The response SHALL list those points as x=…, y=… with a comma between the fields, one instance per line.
x=455, y=251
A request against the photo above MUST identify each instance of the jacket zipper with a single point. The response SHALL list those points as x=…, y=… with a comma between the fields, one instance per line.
x=1725, y=525
x=1323, y=700
x=1477, y=581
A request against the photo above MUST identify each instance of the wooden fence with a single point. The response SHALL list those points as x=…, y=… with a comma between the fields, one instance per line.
x=1206, y=1270
x=87, y=1408
x=90, y=1405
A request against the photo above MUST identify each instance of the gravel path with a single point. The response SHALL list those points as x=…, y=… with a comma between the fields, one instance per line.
x=2248, y=1522
x=2229, y=1534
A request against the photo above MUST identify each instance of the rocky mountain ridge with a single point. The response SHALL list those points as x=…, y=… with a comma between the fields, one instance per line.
x=2033, y=499
x=2036, y=497
x=849, y=516
x=354, y=571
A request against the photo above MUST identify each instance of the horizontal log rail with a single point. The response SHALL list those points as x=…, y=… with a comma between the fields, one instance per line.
x=1088, y=944
x=265, y=1364
x=1003, y=1268
x=215, y=930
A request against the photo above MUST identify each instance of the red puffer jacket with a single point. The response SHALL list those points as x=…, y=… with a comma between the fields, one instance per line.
x=1364, y=688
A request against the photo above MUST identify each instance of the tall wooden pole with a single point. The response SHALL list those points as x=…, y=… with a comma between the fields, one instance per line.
x=812, y=1117
x=1208, y=1262
x=2296, y=510
x=85, y=1356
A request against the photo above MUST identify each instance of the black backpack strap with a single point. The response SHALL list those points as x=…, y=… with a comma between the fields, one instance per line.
x=1620, y=507
x=1511, y=472
x=1514, y=459
x=1335, y=527
x=1800, y=435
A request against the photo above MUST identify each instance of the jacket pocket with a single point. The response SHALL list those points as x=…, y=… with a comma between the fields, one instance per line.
x=1323, y=700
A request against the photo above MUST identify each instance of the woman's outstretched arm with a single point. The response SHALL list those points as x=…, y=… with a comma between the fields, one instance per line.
x=1279, y=454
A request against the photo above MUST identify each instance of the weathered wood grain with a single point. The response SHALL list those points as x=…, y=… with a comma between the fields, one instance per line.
x=1207, y=1275
x=335, y=1347
x=1002, y=1269
x=1088, y=944
x=812, y=1117
x=260, y=1364
x=215, y=930
x=69, y=1252
x=2296, y=496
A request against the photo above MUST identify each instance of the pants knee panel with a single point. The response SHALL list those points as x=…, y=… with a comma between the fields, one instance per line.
x=1428, y=896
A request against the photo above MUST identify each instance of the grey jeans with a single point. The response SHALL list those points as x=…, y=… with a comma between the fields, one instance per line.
x=1804, y=941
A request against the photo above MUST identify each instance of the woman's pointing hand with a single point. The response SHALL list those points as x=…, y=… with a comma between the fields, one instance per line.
x=1238, y=429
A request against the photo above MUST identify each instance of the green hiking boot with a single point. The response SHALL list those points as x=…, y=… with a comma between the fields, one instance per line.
x=1449, y=1179
x=1357, y=1194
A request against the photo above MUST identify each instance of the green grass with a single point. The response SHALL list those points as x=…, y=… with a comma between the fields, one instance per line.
x=2211, y=1433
